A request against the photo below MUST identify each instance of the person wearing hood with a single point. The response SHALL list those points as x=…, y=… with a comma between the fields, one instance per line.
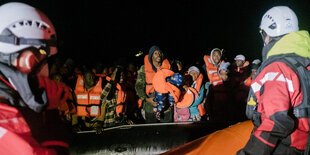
x=153, y=61
x=197, y=109
x=212, y=63
x=224, y=71
x=279, y=89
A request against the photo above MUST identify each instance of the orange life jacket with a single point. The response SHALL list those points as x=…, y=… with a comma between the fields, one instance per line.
x=88, y=103
x=248, y=81
x=162, y=86
x=140, y=103
x=149, y=73
x=212, y=71
x=121, y=97
x=198, y=82
x=188, y=98
x=201, y=109
x=197, y=86
x=245, y=64
x=101, y=75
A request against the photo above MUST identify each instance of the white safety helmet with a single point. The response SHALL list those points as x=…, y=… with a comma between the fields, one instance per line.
x=278, y=21
x=23, y=26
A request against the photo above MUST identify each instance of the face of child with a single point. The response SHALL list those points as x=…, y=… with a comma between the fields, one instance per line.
x=194, y=75
x=224, y=75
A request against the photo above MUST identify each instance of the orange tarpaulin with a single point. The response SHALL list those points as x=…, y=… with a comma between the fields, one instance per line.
x=223, y=142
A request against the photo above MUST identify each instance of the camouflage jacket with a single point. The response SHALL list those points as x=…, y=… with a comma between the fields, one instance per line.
x=141, y=84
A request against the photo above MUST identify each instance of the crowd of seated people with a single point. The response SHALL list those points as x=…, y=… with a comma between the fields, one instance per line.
x=156, y=90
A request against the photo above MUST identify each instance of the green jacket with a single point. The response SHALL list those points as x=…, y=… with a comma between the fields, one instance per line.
x=296, y=42
x=141, y=84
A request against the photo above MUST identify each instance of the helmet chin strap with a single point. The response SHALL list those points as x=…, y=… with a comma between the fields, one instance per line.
x=8, y=58
x=25, y=62
x=271, y=39
x=263, y=35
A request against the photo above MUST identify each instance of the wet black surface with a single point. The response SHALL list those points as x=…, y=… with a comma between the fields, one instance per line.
x=141, y=139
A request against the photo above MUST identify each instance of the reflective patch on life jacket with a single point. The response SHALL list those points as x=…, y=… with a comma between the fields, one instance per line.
x=211, y=72
x=94, y=97
x=81, y=82
x=81, y=96
x=217, y=82
x=94, y=110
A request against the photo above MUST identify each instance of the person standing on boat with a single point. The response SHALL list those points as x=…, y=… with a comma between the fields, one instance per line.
x=144, y=88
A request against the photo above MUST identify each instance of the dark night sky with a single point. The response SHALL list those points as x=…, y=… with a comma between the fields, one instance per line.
x=89, y=31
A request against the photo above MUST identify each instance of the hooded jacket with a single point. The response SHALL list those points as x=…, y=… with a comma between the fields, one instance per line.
x=150, y=69
x=276, y=90
x=197, y=108
x=212, y=69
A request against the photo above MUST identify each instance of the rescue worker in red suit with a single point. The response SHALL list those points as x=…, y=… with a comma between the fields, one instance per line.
x=27, y=38
x=276, y=91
